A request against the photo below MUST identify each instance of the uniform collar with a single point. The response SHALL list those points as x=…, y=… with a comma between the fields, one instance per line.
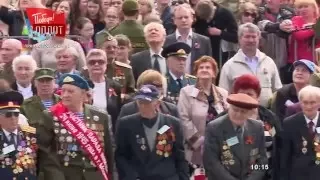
x=314, y=120
x=174, y=77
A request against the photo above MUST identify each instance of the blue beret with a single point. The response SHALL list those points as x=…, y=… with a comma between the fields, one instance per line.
x=309, y=64
x=147, y=92
x=75, y=80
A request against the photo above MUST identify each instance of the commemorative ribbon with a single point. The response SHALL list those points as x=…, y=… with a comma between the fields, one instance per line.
x=87, y=139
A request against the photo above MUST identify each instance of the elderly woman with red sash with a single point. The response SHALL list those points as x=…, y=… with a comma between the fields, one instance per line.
x=75, y=140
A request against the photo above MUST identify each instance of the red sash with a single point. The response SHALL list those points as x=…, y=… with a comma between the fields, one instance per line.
x=87, y=139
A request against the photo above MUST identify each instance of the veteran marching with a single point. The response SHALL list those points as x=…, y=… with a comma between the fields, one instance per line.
x=75, y=141
x=18, y=144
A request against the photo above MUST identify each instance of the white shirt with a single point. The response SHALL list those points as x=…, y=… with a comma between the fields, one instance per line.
x=314, y=120
x=162, y=61
x=26, y=92
x=189, y=42
x=100, y=95
x=8, y=135
x=175, y=78
x=22, y=120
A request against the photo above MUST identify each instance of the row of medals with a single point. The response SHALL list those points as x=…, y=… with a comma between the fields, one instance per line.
x=227, y=157
x=173, y=97
x=305, y=150
x=68, y=146
x=25, y=157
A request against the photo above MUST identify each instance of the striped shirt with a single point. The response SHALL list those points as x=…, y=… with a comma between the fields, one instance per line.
x=47, y=104
x=80, y=115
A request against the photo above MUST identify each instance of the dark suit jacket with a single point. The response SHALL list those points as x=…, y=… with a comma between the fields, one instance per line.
x=217, y=134
x=200, y=45
x=167, y=20
x=14, y=19
x=132, y=108
x=287, y=92
x=296, y=165
x=140, y=62
x=135, y=162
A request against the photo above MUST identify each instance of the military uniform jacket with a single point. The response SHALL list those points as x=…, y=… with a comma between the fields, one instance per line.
x=134, y=158
x=6, y=73
x=173, y=90
x=32, y=108
x=298, y=156
x=225, y=158
x=19, y=162
x=134, y=31
x=62, y=157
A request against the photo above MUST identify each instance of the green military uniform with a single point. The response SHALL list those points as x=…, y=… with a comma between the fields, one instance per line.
x=120, y=72
x=6, y=73
x=173, y=90
x=32, y=107
x=101, y=37
x=131, y=28
x=61, y=155
x=177, y=52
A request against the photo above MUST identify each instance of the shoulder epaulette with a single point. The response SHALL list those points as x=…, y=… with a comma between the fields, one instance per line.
x=190, y=76
x=28, y=129
x=122, y=64
x=97, y=109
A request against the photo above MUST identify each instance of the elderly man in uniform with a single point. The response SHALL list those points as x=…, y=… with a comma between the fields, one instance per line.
x=75, y=140
x=130, y=27
x=176, y=55
x=116, y=70
x=234, y=145
x=18, y=143
x=149, y=144
x=10, y=49
x=300, y=149
x=45, y=84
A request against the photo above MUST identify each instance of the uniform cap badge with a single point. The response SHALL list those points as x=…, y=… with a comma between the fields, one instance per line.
x=96, y=118
x=181, y=51
x=68, y=79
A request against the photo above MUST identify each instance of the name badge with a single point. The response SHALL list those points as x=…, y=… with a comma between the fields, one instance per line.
x=163, y=129
x=318, y=130
x=232, y=141
x=8, y=149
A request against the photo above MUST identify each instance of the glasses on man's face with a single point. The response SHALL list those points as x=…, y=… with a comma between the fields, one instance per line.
x=10, y=114
x=247, y=14
x=94, y=62
x=176, y=3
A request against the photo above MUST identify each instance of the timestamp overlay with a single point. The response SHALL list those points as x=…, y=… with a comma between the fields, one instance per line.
x=259, y=167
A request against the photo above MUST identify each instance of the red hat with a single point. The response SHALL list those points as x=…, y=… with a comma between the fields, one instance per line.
x=247, y=81
x=242, y=101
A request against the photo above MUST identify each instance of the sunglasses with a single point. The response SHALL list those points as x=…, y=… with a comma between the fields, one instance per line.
x=176, y=3
x=247, y=14
x=10, y=114
x=94, y=62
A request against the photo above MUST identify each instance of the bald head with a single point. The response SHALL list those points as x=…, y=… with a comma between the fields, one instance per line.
x=10, y=49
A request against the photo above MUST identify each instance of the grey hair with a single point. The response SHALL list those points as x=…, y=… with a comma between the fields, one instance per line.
x=248, y=27
x=70, y=50
x=155, y=25
x=24, y=59
x=309, y=92
x=97, y=52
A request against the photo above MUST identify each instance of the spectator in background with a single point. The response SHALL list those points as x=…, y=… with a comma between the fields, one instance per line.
x=164, y=11
x=67, y=59
x=96, y=15
x=272, y=22
x=124, y=48
x=43, y=52
x=200, y=45
x=24, y=67
x=85, y=29
x=249, y=59
x=111, y=18
x=152, y=17
x=217, y=23
x=53, y=4
x=80, y=8
x=288, y=94
x=106, y=4
x=117, y=4
x=302, y=43
x=248, y=13
x=65, y=7
x=146, y=7
x=10, y=49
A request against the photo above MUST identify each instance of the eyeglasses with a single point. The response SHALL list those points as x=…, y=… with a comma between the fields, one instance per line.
x=10, y=114
x=247, y=14
x=176, y=3
x=94, y=62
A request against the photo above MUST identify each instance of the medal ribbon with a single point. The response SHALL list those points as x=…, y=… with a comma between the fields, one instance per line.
x=87, y=139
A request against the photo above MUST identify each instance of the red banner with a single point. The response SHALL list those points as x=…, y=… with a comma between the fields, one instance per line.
x=87, y=139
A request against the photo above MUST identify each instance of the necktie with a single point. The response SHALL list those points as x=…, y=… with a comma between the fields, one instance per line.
x=13, y=139
x=310, y=127
x=239, y=134
x=156, y=65
x=179, y=82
